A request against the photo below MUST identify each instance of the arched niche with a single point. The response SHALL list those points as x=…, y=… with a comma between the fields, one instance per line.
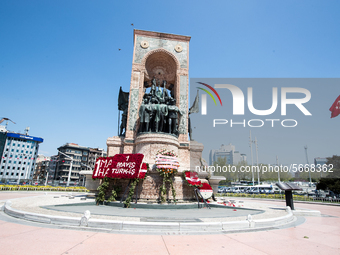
x=161, y=65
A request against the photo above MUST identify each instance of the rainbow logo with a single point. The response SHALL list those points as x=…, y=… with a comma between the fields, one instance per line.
x=209, y=93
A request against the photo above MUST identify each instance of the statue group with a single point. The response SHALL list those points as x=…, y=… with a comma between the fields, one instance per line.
x=158, y=111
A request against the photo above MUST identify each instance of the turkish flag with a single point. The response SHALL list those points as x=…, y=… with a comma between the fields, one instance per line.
x=335, y=108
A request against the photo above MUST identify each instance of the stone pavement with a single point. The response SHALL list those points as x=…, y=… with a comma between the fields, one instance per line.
x=318, y=235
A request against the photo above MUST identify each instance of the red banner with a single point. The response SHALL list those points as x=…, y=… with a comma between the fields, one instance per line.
x=123, y=166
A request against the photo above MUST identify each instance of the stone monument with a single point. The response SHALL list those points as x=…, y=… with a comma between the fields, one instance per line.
x=156, y=116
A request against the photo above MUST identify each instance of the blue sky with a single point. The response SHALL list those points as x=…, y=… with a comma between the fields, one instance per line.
x=60, y=67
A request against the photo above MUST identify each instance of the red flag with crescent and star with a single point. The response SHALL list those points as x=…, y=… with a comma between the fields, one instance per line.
x=335, y=108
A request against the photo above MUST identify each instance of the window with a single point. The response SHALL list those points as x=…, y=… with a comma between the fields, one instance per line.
x=4, y=161
x=13, y=167
x=6, y=173
x=12, y=173
x=8, y=167
x=17, y=174
x=9, y=161
x=1, y=173
x=22, y=174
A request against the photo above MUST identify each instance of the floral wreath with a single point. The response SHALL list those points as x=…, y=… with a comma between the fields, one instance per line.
x=167, y=166
x=192, y=180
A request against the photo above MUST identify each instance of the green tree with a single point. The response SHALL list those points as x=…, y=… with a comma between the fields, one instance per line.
x=332, y=180
x=335, y=162
x=232, y=173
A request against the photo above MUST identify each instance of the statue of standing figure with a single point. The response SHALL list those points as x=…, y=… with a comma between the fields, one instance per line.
x=153, y=87
x=158, y=108
x=124, y=120
x=173, y=112
x=145, y=113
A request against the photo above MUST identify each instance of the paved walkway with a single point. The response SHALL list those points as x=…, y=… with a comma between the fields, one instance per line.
x=318, y=235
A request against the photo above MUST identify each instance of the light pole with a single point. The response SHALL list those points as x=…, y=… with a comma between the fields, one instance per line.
x=251, y=153
x=69, y=172
x=257, y=162
x=278, y=172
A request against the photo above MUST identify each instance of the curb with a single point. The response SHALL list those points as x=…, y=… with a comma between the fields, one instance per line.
x=192, y=227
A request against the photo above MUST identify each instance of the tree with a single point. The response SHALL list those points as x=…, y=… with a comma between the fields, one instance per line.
x=335, y=162
x=272, y=173
x=231, y=172
x=332, y=180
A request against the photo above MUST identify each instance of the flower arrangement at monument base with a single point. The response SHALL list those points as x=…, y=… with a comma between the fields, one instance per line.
x=192, y=179
x=120, y=166
x=167, y=166
x=206, y=191
x=141, y=176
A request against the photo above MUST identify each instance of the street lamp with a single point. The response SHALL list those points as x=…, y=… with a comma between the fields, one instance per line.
x=69, y=172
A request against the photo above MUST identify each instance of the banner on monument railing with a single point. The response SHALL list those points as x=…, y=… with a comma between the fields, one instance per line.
x=123, y=166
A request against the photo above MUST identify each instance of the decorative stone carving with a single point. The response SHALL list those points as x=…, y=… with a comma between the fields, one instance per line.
x=178, y=48
x=144, y=44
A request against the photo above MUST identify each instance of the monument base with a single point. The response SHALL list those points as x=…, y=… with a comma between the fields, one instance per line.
x=148, y=144
x=148, y=190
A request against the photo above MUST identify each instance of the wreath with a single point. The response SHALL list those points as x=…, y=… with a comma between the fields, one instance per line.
x=192, y=179
x=167, y=166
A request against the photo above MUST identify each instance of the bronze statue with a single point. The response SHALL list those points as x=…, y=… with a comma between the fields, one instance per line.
x=158, y=111
x=153, y=87
x=173, y=112
x=145, y=115
x=124, y=120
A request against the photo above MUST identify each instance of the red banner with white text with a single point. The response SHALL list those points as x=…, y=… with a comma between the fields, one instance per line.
x=123, y=166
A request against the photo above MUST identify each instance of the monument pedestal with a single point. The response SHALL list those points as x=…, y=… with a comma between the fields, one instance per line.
x=90, y=184
x=149, y=189
x=149, y=144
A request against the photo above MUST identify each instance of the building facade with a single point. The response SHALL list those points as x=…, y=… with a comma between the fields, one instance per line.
x=227, y=152
x=41, y=169
x=320, y=161
x=18, y=156
x=76, y=157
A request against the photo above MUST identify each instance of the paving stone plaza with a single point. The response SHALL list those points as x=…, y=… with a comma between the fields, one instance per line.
x=33, y=222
